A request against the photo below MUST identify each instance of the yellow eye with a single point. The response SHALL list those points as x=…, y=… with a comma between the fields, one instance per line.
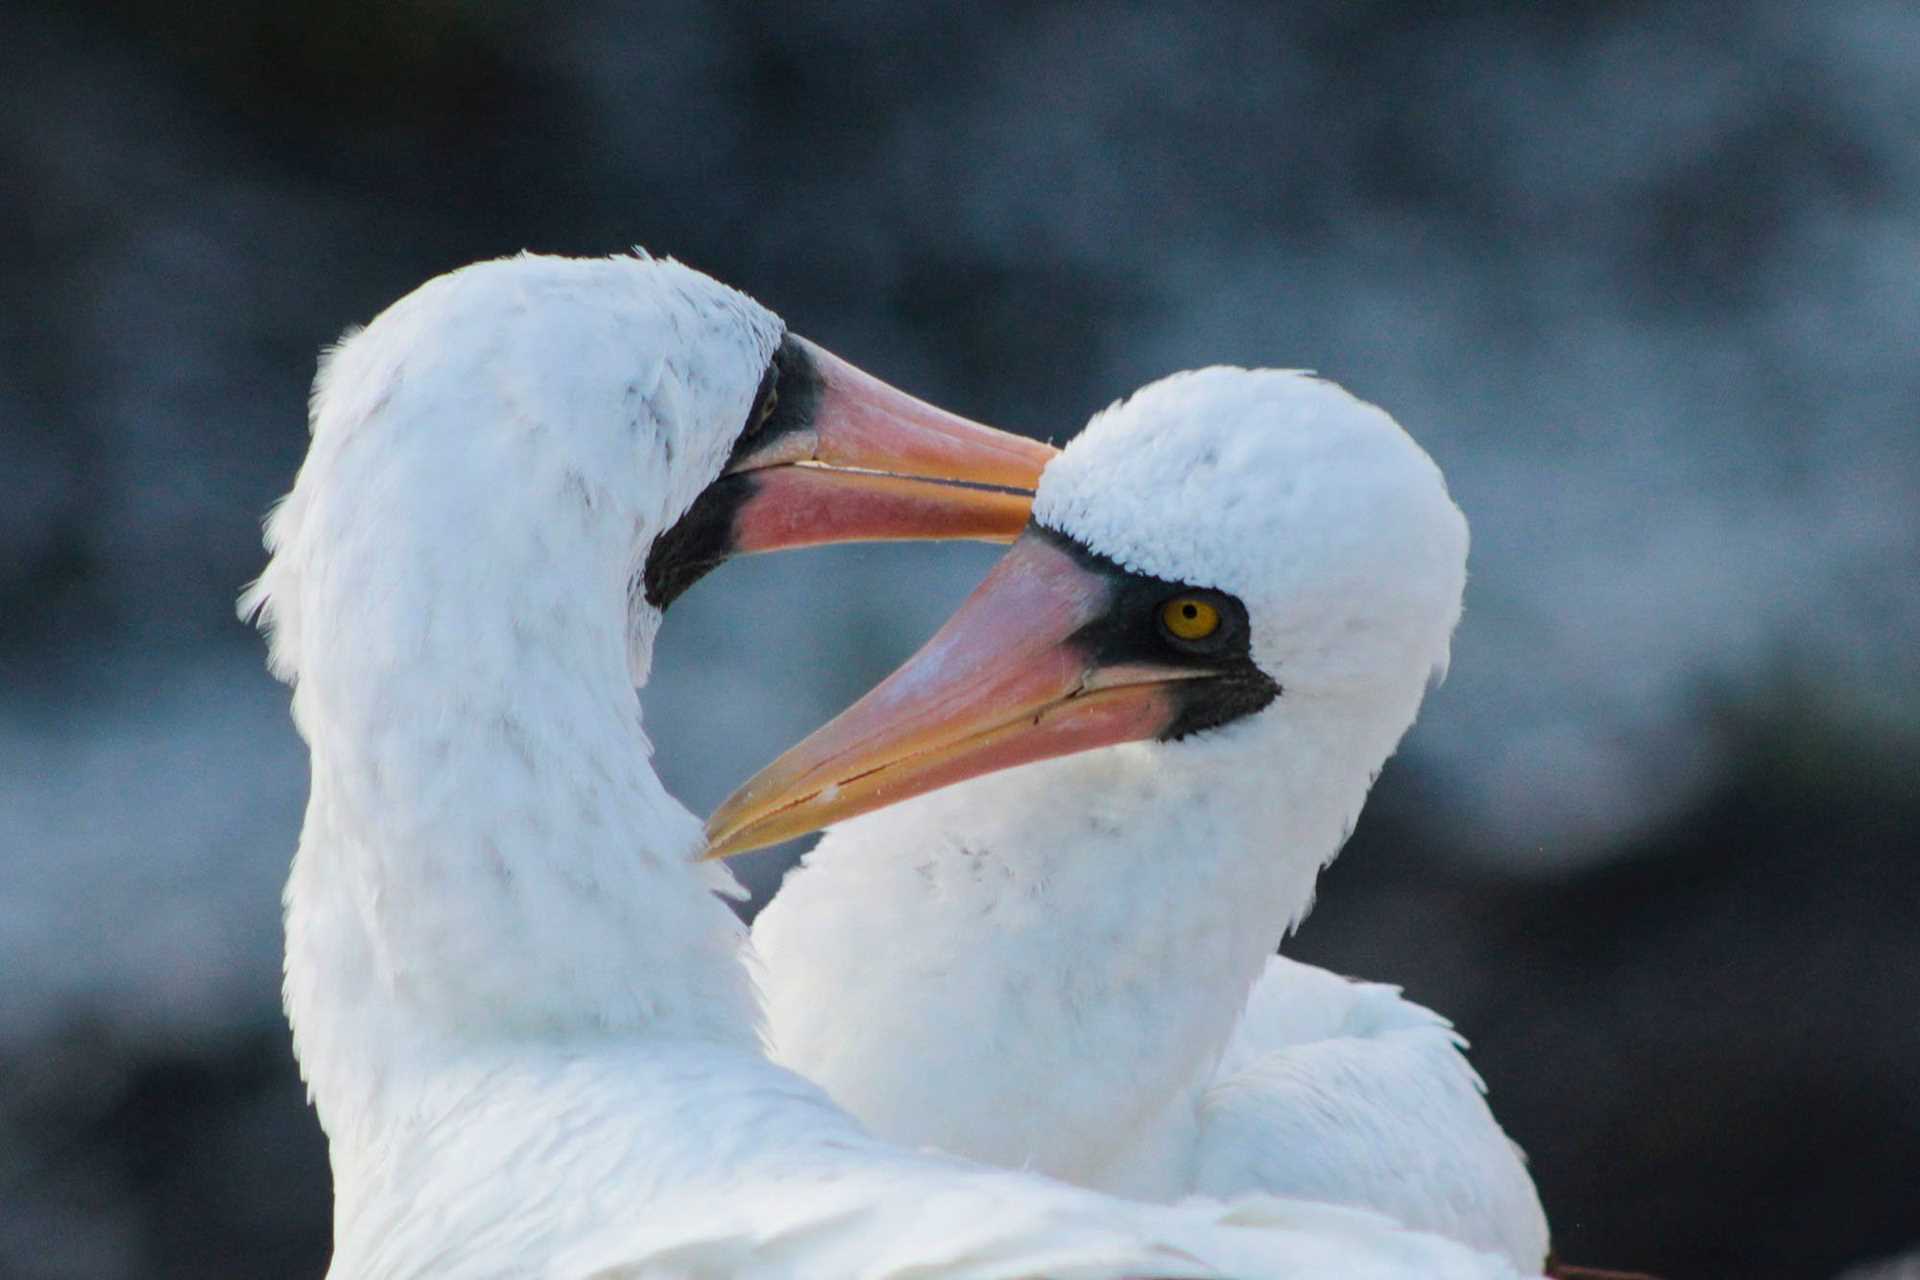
x=1189, y=618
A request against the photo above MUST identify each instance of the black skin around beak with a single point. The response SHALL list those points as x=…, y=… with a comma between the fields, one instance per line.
x=831, y=454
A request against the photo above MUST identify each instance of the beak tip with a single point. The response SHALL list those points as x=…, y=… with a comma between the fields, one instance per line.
x=714, y=850
x=726, y=841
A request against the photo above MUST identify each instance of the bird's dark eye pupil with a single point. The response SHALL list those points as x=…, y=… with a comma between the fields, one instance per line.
x=1190, y=612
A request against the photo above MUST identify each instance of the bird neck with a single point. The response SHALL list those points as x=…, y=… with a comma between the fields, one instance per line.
x=488, y=857
x=1091, y=926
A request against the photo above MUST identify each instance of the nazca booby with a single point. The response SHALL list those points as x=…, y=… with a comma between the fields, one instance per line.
x=520, y=1008
x=1245, y=580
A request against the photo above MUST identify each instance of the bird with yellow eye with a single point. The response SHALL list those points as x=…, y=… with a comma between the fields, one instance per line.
x=1098, y=813
x=1189, y=618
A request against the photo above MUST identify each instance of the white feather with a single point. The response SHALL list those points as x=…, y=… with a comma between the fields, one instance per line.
x=1069, y=966
x=521, y=1012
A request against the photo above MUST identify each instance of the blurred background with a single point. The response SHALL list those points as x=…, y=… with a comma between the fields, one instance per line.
x=1644, y=277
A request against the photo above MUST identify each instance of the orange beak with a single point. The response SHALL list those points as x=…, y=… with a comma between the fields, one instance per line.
x=876, y=464
x=1009, y=679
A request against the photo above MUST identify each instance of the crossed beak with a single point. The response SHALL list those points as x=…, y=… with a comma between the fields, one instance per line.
x=1013, y=677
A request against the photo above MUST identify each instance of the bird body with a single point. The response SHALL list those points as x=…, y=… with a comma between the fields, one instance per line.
x=522, y=1011
x=1348, y=1092
x=1068, y=965
x=677, y=1158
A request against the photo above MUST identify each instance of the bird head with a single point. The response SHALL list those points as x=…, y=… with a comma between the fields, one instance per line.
x=542, y=425
x=1222, y=547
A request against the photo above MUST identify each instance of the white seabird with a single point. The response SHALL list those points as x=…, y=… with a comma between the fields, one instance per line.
x=1245, y=580
x=521, y=1011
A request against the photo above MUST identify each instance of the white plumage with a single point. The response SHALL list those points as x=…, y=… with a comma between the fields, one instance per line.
x=521, y=1012
x=1068, y=966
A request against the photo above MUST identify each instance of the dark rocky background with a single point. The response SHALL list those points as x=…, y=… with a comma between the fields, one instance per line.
x=1644, y=276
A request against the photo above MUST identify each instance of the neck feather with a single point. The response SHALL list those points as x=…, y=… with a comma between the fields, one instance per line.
x=1096, y=921
x=488, y=854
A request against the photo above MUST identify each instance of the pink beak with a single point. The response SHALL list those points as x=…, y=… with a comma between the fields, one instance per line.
x=1003, y=683
x=879, y=465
